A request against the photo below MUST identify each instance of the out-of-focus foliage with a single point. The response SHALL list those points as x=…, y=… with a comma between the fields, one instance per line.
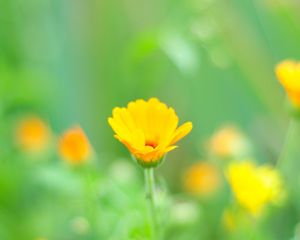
x=68, y=63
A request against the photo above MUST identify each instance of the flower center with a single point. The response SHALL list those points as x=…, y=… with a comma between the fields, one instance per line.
x=151, y=144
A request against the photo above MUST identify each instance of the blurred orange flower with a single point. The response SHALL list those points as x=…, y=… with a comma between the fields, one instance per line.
x=288, y=73
x=229, y=142
x=202, y=178
x=148, y=129
x=32, y=134
x=74, y=146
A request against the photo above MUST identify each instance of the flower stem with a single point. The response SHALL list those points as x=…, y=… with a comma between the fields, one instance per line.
x=287, y=142
x=150, y=196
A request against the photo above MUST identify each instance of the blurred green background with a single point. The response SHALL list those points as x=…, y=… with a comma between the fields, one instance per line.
x=211, y=60
x=71, y=62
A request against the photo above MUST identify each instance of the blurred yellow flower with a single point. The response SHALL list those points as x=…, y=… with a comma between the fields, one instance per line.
x=32, y=134
x=148, y=129
x=74, y=146
x=228, y=220
x=229, y=142
x=288, y=73
x=254, y=187
x=202, y=179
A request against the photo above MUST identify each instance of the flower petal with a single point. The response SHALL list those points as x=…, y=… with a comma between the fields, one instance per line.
x=120, y=129
x=182, y=131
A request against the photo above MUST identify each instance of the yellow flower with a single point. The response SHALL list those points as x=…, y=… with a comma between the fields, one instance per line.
x=254, y=187
x=148, y=129
x=288, y=73
x=74, y=146
x=229, y=142
x=272, y=180
x=202, y=178
x=32, y=134
x=229, y=220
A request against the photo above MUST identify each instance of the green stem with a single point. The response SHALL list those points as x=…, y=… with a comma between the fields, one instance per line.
x=150, y=195
x=290, y=131
x=90, y=203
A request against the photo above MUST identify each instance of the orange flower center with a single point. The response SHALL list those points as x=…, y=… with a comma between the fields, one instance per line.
x=151, y=144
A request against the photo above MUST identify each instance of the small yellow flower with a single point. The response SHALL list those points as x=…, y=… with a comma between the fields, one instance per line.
x=32, y=134
x=254, y=187
x=148, y=129
x=288, y=73
x=202, y=179
x=228, y=220
x=229, y=142
x=74, y=146
x=272, y=180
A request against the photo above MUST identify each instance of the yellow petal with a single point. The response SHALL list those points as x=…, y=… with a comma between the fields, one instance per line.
x=120, y=129
x=182, y=131
x=288, y=73
x=138, y=139
x=168, y=128
x=138, y=111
